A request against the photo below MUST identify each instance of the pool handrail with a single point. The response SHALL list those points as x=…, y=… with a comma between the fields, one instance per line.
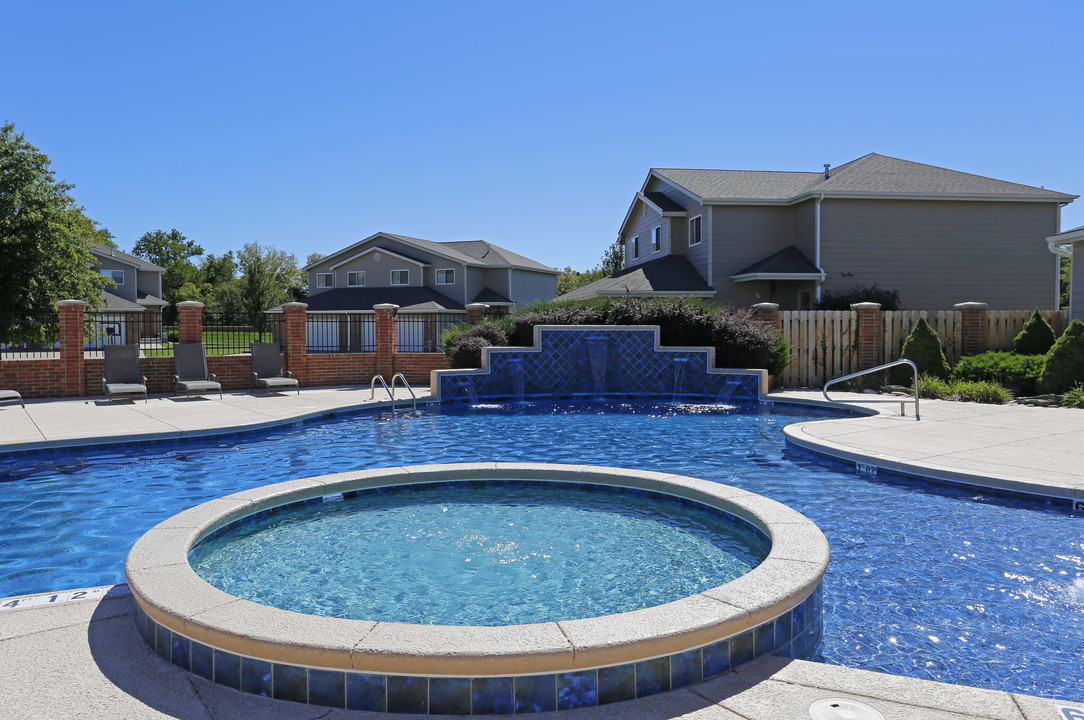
x=409, y=389
x=901, y=401
x=372, y=390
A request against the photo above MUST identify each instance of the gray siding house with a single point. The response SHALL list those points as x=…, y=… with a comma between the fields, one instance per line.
x=739, y=237
x=425, y=276
x=1074, y=239
x=136, y=301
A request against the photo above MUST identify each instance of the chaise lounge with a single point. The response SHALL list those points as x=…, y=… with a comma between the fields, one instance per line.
x=267, y=369
x=190, y=365
x=12, y=395
x=123, y=378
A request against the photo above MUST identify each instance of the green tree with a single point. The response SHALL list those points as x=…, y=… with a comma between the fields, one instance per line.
x=44, y=235
x=1066, y=268
x=173, y=252
x=613, y=260
x=269, y=277
x=570, y=279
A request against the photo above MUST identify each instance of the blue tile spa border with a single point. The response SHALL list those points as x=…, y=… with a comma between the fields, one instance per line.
x=794, y=634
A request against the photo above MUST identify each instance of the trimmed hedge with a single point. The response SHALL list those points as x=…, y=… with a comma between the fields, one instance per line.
x=1020, y=372
x=923, y=348
x=1035, y=338
x=463, y=343
x=1064, y=364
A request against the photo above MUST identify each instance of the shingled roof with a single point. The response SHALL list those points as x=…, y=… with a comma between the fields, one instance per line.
x=670, y=275
x=873, y=174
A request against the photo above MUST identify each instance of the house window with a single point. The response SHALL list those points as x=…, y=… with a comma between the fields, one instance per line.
x=355, y=278
x=400, y=277
x=694, y=231
x=116, y=275
x=656, y=239
x=323, y=280
x=634, y=248
x=446, y=277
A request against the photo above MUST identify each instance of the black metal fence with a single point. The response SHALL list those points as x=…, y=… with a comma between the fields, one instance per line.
x=26, y=335
x=125, y=328
x=340, y=332
x=232, y=333
x=422, y=332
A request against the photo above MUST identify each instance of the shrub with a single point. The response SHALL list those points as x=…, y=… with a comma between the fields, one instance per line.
x=923, y=348
x=463, y=343
x=982, y=392
x=934, y=388
x=780, y=355
x=1035, y=338
x=889, y=299
x=566, y=313
x=1064, y=364
x=1074, y=397
x=1016, y=371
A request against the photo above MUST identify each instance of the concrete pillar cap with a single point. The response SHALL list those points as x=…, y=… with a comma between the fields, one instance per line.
x=970, y=306
x=764, y=306
x=190, y=304
x=476, y=306
x=386, y=306
x=70, y=303
x=866, y=306
x=298, y=305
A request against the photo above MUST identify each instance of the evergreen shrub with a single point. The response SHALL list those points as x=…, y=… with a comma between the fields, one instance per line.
x=1064, y=364
x=463, y=343
x=1035, y=338
x=1074, y=397
x=923, y=348
x=1016, y=371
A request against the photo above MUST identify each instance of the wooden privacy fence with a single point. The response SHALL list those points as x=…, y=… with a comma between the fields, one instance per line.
x=824, y=343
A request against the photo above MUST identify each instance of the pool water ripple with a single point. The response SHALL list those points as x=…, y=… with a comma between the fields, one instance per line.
x=924, y=581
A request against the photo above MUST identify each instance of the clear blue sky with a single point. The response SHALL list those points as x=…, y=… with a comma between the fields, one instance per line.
x=308, y=126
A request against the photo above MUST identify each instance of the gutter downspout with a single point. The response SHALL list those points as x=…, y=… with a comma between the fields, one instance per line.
x=817, y=245
x=1052, y=246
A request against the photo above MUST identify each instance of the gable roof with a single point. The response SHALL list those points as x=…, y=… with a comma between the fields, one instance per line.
x=476, y=253
x=871, y=175
x=105, y=251
x=409, y=299
x=790, y=263
x=670, y=275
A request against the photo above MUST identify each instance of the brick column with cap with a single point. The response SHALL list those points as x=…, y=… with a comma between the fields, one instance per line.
x=870, y=329
x=71, y=347
x=294, y=322
x=476, y=313
x=768, y=313
x=387, y=339
x=974, y=332
x=190, y=321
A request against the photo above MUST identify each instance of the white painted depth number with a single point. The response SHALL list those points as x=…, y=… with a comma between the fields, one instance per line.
x=64, y=596
x=1071, y=713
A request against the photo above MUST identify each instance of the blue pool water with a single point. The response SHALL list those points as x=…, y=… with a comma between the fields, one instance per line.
x=495, y=555
x=932, y=583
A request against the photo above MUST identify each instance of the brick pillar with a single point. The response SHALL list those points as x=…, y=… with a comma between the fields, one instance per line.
x=190, y=321
x=294, y=320
x=476, y=312
x=974, y=332
x=768, y=313
x=870, y=329
x=387, y=339
x=71, y=348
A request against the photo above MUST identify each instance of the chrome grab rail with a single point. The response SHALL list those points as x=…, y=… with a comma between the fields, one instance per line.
x=914, y=369
x=372, y=389
x=407, y=386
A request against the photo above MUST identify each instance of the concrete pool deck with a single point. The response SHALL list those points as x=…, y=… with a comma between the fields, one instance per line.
x=84, y=658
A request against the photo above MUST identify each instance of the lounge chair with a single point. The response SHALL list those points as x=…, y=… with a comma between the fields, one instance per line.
x=267, y=369
x=190, y=364
x=122, y=375
x=12, y=395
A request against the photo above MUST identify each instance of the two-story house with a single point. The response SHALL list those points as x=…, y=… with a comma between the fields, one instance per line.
x=739, y=237
x=135, y=304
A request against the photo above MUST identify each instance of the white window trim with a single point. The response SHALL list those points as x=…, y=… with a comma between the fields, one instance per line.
x=391, y=277
x=635, y=247
x=109, y=274
x=355, y=272
x=329, y=276
x=656, y=239
x=700, y=218
x=436, y=275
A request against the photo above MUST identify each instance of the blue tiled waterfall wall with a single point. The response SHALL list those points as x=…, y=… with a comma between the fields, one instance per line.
x=598, y=361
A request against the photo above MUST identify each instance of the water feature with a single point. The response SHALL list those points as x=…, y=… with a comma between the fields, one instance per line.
x=466, y=387
x=680, y=364
x=597, y=348
x=518, y=375
x=727, y=390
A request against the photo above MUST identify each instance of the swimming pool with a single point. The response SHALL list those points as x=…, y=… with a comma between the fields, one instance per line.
x=926, y=582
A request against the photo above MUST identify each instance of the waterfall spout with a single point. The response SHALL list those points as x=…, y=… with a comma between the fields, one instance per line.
x=597, y=349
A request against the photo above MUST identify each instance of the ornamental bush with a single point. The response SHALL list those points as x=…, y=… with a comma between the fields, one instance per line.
x=889, y=299
x=1035, y=338
x=923, y=348
x=1064, y=364
x=1020, y=372
x=463, y=343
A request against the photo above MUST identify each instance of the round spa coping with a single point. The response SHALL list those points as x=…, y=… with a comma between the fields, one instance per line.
x=169, y=592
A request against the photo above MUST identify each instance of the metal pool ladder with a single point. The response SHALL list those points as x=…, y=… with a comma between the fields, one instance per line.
x=902, y=402
x=391, y=390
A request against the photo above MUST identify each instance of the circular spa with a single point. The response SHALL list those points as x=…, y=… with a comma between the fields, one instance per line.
x=478, y=589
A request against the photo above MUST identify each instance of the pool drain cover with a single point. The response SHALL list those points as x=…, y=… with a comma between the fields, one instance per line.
x=841, y=709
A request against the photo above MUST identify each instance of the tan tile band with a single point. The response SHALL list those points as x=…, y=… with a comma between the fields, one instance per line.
x=170, y=592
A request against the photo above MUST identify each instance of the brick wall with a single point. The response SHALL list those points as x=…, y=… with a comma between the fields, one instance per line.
x=32, y=378
x=416, y=366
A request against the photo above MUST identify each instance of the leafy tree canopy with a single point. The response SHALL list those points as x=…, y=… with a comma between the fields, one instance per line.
x=173, y=252
x=269, y=277
x=44, y=235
